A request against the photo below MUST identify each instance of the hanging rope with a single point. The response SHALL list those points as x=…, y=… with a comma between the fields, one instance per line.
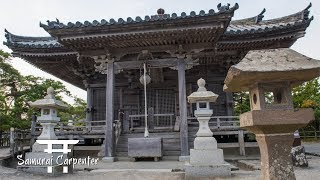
x=146, y=132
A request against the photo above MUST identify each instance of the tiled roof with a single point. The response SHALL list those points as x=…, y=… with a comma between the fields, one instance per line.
x=258, y=25
x=160, y=17
x=30, y=42
x=253, y=25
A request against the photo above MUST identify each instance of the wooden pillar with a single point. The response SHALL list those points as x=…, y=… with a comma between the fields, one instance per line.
x=89, y=107
x=109, y=134
x=183, y=109
x=229, y=103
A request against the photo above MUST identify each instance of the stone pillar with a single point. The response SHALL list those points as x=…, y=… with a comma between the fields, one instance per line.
x=275, y=154
x=181, y=66
x=109, y=134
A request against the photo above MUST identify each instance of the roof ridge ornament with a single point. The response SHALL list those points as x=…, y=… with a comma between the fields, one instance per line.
x=305, y=12
x=223, y=8
x=260, y=16
x=160, y=11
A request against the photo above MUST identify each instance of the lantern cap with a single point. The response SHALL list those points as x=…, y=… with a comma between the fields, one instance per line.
x=202, y=95
x=49, y=101
x=271, y=66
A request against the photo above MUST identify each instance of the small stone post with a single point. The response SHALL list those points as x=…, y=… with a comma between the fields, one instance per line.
x=269, y=76
x=206, y=160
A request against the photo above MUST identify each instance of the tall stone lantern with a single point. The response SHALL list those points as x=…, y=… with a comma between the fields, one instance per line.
x=48, y=119
x=206, y=160
x=269, y=76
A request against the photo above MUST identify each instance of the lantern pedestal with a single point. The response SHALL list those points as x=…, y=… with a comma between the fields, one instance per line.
x=274, y=134
x=206, y=160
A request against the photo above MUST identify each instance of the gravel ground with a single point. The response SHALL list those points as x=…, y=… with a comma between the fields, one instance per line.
x=153, y=171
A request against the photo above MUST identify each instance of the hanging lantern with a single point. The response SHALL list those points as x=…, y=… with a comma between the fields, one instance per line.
x=148, y=79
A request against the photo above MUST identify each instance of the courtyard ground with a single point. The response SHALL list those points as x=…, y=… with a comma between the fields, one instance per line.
x=166, y=170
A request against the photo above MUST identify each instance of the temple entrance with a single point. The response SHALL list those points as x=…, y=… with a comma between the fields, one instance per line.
x=161, y=110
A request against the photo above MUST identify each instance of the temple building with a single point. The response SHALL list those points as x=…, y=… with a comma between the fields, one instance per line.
x=106, y=58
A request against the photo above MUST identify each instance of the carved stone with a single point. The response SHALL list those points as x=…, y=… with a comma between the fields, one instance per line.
x=269, y=76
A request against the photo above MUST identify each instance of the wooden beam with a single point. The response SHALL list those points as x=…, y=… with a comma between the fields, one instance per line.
x=109, y=134
x=181, y=66
x=156, y=63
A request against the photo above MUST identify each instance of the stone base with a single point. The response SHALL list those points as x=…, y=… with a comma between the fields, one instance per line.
x=42, y=170
x=195, y=171
x=108, y=159
x=46, y=160
x=206, y=157
x=184, y=158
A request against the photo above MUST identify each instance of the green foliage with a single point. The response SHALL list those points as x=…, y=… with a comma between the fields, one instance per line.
x=308, y=96
x=77, y=110
x=241, y=103
x=16, y=91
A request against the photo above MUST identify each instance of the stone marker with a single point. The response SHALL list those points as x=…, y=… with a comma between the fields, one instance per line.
x=269, y=76
x=206, y=160
x=48, y=121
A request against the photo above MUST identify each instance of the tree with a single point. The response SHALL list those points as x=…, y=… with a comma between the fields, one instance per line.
x=241, y=103
x=308, y=96
x=16, y=91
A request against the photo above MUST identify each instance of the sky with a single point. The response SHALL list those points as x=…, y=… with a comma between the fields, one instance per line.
x=22, y=17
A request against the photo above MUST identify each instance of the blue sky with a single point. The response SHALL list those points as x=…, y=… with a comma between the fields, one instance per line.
x=22, y=17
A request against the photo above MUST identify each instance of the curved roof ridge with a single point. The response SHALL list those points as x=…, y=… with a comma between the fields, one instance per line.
x=160, y=17
x=247, y=26
x=30, y=41
x=18, y=38
x=299, y=16
x=251, y=20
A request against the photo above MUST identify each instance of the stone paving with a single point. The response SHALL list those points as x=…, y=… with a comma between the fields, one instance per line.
x=153, y=170
x=312, y=148
x=163, y=170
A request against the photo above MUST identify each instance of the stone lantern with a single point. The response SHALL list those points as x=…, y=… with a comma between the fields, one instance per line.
x=48, y=118
x=269, y=76
x=206, y=160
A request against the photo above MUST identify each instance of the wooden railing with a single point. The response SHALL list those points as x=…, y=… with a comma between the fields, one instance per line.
x=310, y=134
x=219, y=122
x=15, y=139
x=154, y=120
x=4, y=139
